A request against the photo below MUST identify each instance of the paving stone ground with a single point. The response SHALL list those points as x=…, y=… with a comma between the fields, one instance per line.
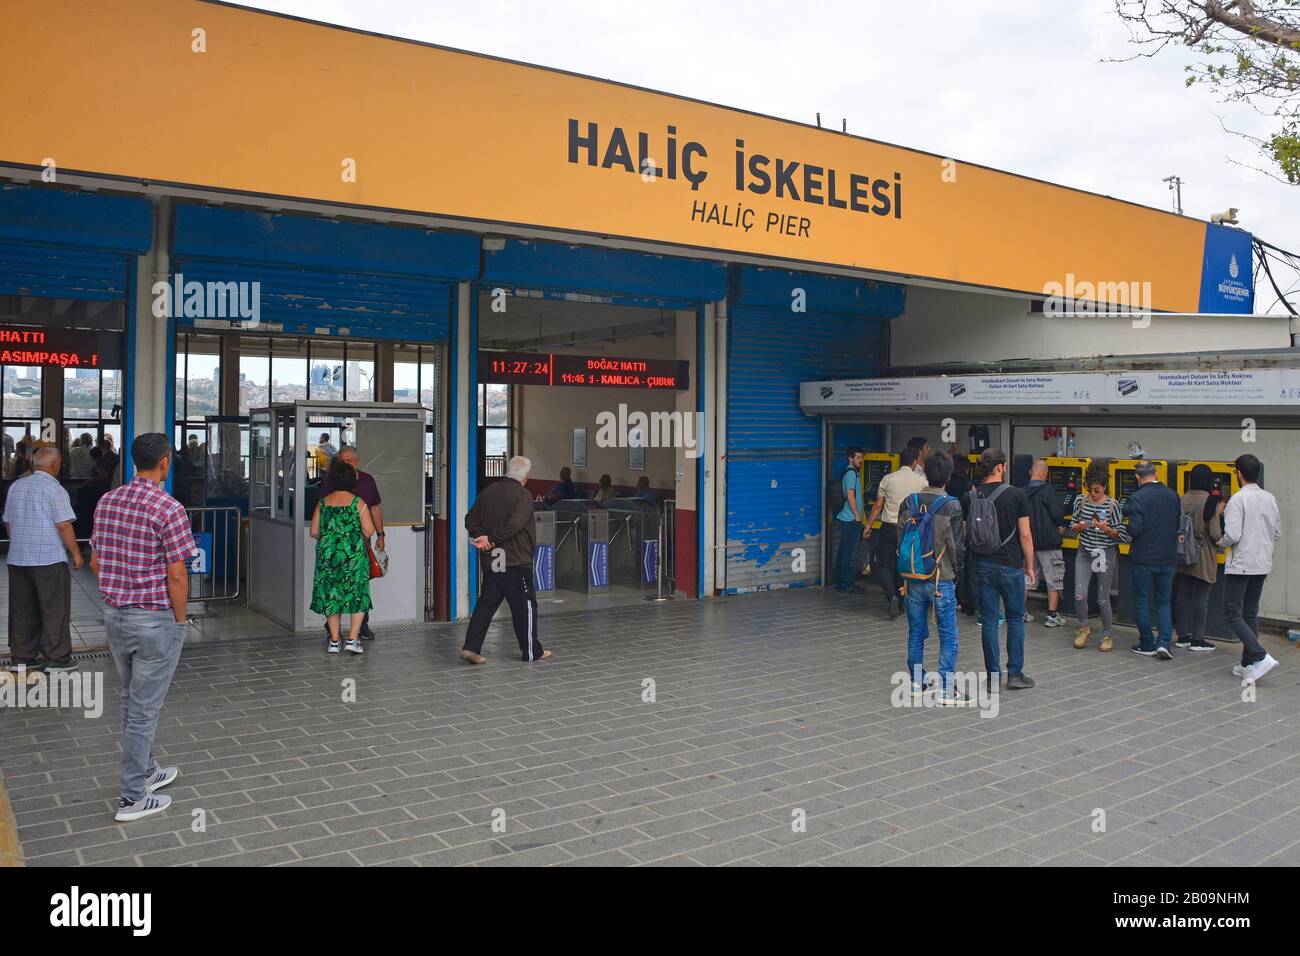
x=764, y=705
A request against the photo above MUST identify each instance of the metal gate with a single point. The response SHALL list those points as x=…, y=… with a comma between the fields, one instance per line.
x=217, y=563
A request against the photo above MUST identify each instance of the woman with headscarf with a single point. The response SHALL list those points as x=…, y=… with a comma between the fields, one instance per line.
x=1196, y=580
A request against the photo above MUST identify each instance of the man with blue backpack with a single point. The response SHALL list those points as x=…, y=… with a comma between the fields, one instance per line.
x=930, y=561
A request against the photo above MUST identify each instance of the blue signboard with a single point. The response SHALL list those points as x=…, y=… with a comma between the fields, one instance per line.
x=649, y=562
x=544, y=568
x=598, y=564
x=201, y=561
x=1227, y=283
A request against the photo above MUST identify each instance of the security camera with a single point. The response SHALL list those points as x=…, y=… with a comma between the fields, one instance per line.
x=1227, y=218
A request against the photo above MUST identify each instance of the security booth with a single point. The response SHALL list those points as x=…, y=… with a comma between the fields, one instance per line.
x=285, y=487
x=582, y=546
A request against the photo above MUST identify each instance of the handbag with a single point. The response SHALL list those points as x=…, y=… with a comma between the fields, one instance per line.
x=378, y=561
x=862, y=557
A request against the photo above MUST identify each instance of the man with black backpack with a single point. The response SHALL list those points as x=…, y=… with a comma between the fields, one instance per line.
x=845, y=497
x=930, y=561
x=1046, y=516
x=1002, y=547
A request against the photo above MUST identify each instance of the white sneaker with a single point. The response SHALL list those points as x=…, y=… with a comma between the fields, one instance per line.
x=126, y=812
x=1257, y=670
x=1029, y=618
x=161, y=778
x=1054, y=620
x=1238, y=670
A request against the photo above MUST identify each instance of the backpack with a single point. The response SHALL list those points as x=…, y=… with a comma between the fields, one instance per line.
x=835, y=498
x=916, y=555
x=983, y=535
x=1189, y=548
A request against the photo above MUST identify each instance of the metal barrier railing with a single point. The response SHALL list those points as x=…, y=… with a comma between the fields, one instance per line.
x=494, y=466
x=665, y=565
x=668, y=548
x=216, y=568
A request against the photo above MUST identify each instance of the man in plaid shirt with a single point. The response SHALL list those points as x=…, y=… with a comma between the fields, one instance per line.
x=140, y=548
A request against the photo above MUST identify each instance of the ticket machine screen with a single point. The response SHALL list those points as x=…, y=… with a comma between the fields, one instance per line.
x=1067, y=482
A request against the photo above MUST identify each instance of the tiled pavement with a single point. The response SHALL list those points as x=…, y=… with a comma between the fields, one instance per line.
x=213, y=622
x=765, y=705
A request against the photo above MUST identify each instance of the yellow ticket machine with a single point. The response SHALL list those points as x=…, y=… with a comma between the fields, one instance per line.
x=1123, y=482
x=1223, y=481
x=875, y=465
x=1065, y=475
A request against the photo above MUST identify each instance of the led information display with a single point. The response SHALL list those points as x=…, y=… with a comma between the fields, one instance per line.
x=66, y=348
x=592, y=371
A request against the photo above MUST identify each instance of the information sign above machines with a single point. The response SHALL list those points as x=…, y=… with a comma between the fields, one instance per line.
x=1183, y=387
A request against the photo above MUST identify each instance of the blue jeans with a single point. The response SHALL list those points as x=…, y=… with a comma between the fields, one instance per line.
x=1000, y=583
x=146, y=646
x=921, y=596
x=850, y=535
x=1146, y=579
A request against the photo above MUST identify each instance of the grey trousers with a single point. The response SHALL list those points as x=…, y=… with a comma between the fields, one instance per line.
x=146, y=646
x=40, y=607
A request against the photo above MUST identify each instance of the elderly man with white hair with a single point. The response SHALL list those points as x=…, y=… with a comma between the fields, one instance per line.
x=500, y=525
x=38, y=517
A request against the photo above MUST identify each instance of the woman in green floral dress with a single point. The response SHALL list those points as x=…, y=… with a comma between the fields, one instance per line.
x=341, y=583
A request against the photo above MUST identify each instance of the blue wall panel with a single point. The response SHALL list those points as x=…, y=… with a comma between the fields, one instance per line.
x=774, y=450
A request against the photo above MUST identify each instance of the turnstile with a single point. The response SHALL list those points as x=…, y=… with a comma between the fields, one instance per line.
x=581, y=546
x=544, y=553
x=633, y=542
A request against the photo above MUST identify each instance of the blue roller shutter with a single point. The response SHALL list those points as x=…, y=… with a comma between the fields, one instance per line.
x=60, y=244
x=584, y=273
x=774, y=453
x=321, y=277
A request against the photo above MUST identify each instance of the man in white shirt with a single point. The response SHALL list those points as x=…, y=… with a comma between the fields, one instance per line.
x=1251, y=524
x=894, y=488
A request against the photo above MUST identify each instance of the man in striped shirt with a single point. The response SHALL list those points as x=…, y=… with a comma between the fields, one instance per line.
x=140, y=548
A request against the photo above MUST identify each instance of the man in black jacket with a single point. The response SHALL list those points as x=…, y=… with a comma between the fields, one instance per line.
x=1153, y=513
x=1046, y=516
x=500, y=525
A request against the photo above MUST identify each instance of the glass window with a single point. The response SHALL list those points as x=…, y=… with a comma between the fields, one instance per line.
x=80, y=393
x=326, y=379
x=496, y=405
x=198, y=378
x=361, y=372
x=289, y=370
x=406, y=374
x=429, y=377
x=110, y=394
x=19, y=443
x=22, y=391
x=254, y=374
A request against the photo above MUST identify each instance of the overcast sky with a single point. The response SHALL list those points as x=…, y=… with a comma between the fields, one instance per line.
x=1019, y=86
